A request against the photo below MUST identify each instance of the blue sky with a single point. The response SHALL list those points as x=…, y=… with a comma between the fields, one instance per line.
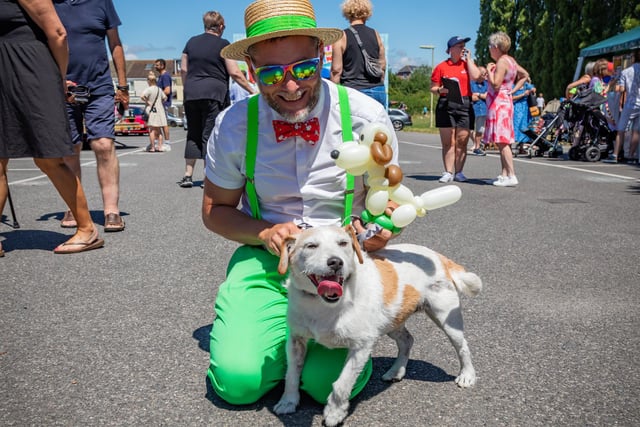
x=160, y=29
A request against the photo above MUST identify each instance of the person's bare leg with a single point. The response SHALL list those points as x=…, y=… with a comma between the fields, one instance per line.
x=165, y=130
x=462, y=141
x=160, y=139
x=108, y=173
x=152, y=137
x=448, y=149
x=71, y=191
x=506, y=159
x=73, y=161
x=190, y=164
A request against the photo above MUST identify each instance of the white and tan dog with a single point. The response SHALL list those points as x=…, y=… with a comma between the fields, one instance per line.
x=344, y=299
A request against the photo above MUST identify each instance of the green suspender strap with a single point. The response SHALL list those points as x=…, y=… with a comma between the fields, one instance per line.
x=347, y=135
x=252, y=148
x=250, y=155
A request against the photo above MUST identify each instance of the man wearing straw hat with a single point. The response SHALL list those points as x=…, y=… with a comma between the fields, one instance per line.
x=270, y=155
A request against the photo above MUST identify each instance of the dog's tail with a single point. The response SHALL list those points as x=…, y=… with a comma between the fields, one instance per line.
x=466, y=282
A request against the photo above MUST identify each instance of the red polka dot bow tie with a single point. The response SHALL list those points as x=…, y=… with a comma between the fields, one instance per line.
x=309, y=130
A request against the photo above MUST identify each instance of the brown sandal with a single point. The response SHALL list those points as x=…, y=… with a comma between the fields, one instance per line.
x=94, y=242
x=68, y=221
x=113, y=222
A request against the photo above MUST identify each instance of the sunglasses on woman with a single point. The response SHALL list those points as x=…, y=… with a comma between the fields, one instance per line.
x=302, y=70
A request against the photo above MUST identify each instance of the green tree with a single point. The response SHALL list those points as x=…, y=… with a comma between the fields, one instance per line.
x=547, y=35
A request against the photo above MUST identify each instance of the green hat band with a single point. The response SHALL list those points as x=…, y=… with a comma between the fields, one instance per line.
x=280, y=23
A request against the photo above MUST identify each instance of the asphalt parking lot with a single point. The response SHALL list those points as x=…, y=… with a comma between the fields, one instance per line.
x=119, y=336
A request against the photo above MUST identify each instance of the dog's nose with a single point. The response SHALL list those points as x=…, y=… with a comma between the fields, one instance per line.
x=335, y=263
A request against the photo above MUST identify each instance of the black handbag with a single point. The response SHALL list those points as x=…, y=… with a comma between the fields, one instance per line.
x=371, y=64
x=533, y=105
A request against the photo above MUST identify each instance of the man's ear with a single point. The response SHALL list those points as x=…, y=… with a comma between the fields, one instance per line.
x=286, y=249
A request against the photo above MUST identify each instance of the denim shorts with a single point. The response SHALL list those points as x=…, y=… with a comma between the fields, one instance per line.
x=96, y=118
x=379, y=93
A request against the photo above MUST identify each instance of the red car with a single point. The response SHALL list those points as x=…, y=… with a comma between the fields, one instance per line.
x=132, y=123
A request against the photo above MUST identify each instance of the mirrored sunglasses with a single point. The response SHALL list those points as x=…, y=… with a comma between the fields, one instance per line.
x=302, y=70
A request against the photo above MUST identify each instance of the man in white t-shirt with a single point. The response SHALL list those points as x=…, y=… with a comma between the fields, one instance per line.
x=629, y=120
x=298, y=123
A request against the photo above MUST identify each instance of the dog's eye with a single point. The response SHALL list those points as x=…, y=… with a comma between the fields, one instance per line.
x=310, y=245
x=343, y=243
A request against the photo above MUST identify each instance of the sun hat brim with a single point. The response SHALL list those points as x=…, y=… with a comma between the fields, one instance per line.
x=238, y=50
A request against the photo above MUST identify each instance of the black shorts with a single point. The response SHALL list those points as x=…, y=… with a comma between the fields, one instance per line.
x=454, y=115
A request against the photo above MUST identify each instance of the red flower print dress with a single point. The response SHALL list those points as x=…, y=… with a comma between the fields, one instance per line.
x=499, y=124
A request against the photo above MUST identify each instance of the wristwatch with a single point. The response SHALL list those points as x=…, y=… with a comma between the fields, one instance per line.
x=124, y=88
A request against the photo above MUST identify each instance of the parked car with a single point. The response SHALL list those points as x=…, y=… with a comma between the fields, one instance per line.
x=132, y=122
x=399, y=118
x=174, y=121
x=184, y=122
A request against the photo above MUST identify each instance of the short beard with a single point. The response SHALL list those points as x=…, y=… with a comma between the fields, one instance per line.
x=302, y=115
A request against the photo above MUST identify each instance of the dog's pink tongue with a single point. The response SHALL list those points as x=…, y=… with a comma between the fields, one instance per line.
x=330, y=288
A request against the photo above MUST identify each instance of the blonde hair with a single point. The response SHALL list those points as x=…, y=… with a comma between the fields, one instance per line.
x=151, y=78
x=213, y=21
x=500, y=40
x=357, y=9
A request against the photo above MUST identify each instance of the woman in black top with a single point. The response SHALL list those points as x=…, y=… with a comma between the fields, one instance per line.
x=205, y=75
x=348, y=63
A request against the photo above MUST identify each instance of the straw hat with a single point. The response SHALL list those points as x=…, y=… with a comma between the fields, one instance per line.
x=268, y=19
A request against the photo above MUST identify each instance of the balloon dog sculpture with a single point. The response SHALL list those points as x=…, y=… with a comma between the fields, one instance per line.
x=371, y=155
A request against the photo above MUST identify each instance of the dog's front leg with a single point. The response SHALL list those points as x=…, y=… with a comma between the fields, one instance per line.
x=338, y=402
x=296, y=352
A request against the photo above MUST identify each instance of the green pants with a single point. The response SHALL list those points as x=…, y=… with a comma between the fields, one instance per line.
x=248, y=338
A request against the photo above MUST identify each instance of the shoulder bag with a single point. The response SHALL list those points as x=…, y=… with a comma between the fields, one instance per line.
x=371, y=65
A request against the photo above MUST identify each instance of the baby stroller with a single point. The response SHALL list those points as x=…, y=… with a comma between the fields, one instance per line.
x=578, y=121
x=547, y=133
x=591, y=137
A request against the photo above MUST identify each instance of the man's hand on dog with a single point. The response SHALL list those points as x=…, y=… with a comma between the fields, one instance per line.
x=273, y=237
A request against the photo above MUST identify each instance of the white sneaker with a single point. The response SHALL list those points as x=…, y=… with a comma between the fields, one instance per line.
x=505, y=181
x=446, y=177
x=460, y=177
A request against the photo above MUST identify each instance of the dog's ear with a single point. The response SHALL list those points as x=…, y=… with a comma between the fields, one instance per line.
x=354, y=242
x=285, y=249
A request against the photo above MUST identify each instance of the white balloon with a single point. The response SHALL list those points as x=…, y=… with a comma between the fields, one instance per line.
x=403, y=215
x=401, y=195
x=440, y=197
x=352, y=156
x=369, y=132
x=376, y=201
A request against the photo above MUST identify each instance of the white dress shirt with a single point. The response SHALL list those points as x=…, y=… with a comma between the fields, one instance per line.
x=294, y=180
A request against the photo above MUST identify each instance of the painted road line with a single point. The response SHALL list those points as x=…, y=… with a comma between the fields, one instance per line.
x=534, y=163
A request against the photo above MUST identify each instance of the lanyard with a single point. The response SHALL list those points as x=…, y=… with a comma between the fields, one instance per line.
x=252, y=149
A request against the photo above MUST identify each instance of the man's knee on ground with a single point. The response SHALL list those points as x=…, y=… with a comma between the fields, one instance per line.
x=236, y=385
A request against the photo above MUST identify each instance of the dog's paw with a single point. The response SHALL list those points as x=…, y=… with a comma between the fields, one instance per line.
x=333, y=416
x=467, y=378
x=394, y=374
x=285, y=406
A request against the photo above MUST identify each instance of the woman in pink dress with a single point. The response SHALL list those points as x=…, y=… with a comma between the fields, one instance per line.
x=499, y=125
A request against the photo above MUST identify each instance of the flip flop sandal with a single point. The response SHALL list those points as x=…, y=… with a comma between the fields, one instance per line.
x=75, y=247
x=113, y=222
x=68, y=221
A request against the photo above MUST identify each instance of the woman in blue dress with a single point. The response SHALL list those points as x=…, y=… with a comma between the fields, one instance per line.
x=521, y=115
